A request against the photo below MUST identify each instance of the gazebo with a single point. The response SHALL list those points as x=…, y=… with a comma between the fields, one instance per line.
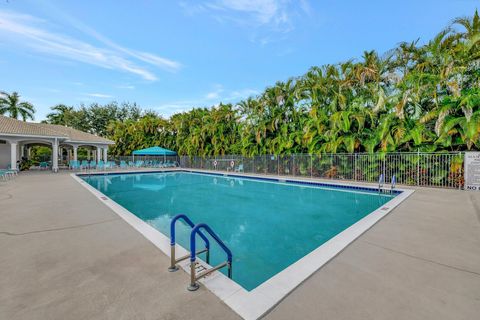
x=154, y=151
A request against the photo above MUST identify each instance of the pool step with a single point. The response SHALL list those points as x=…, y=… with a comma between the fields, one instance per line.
x=199, y=267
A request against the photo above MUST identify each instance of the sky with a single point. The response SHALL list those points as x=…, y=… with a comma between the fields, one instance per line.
x=171, y=56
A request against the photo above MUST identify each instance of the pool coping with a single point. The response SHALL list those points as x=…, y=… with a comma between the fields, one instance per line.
x=259, y=301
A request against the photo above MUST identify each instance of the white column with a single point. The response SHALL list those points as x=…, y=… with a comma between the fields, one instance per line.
x=99, y=154
x=55, y=156
x=75, y=153
x=13, y=155
x=105, y=153
x=29, y=152
x=88, y=154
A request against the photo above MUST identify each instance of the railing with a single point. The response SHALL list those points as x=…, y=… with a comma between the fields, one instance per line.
x=443, y=170
x=173, y=261
x=381, y=181
x=228, y=263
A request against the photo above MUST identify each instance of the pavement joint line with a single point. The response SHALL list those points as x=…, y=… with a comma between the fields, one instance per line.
x=422, y=259
x=58, y=229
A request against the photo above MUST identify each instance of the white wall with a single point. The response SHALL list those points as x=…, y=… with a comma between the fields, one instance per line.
x=4, y=155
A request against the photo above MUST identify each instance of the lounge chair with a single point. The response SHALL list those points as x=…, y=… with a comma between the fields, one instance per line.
x=93, y=164
x=239, y=168
x=43, y=165
x=12, y=171
x=84, y=164
x=6, y=174
x=74, y=164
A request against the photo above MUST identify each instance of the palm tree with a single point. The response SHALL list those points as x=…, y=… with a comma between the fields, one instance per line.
x=415, y=97
x=61, y=115
x=10, y=104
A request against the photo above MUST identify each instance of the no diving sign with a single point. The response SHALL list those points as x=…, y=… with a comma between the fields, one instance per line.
x=472, y=171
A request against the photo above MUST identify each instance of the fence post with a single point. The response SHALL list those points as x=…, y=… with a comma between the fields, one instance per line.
x=384, y=166
x=293, y=165
x=278, y=165
x=462, y=172
x=311, y=166
x=355, y=167
x=418, y=167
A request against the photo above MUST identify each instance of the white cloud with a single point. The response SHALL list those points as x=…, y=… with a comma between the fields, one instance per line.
x=126, y=86
x=29, y=31
x=210, y=99
x=269, y=20
x=264, y=11
x=212, y=95
x=215, y=94
x=99, y=95
x=272, y=13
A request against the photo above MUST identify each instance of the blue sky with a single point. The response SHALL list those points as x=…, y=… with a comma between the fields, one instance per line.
x=170, y=56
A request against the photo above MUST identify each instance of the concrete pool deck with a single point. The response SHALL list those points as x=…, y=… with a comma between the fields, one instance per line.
x=64, y=255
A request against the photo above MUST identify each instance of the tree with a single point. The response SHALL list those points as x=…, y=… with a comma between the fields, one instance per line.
x=10, y=104
x=414, y=97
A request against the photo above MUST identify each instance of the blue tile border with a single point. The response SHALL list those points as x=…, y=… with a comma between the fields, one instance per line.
x=311, y=183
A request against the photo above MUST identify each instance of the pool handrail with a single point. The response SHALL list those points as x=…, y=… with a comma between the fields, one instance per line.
x=193, y=276
x=173, y=260
x=394, y=182
x=381, y=181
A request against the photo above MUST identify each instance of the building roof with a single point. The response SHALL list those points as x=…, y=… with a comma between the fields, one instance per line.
x=76, y=135
x=14, y=127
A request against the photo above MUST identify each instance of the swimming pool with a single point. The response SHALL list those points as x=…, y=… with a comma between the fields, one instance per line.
x=267, y=224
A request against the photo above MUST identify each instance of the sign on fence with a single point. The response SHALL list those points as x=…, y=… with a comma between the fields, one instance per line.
x=472, y=171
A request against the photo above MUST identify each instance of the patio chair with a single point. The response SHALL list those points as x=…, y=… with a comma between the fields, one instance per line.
x=93, y=164
x=43, y=165
x=12, y=171
x=6, y=174
x=239, y=168
x=123, y=164
x=84, y=164
x=100, y=164
x=74, y=165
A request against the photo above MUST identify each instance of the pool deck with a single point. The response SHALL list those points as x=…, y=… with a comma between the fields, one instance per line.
x=65, y=255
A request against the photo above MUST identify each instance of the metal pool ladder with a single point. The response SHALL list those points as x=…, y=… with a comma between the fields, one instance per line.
x=381, y=181
x=394, y=183
x=194, y=277
x=173, y=261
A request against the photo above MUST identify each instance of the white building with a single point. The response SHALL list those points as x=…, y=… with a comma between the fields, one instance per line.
x=17, y=137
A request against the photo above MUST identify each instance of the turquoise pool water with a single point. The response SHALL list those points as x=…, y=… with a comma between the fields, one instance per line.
x=267, y=225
